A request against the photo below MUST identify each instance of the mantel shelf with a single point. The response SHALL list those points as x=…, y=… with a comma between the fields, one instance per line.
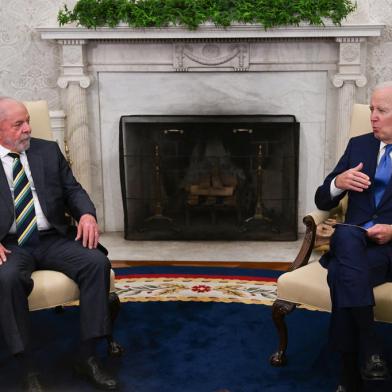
x=209, y=31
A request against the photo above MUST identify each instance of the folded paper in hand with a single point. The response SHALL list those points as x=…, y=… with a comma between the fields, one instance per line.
x=349, y=224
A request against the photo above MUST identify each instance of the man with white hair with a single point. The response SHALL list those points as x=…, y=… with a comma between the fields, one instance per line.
x=360, y=255
x=37, y=188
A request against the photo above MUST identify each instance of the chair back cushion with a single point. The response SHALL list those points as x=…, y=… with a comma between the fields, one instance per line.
x=39, y=119
x=360, y=124
x=360, y=120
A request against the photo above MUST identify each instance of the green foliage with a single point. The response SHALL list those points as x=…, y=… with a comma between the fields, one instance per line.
x=192, y=13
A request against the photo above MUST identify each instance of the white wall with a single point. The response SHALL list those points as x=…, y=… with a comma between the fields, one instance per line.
x=29, y=66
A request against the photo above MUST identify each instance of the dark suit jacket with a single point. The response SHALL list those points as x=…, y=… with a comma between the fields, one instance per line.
x=361, y=206
x=57, y=189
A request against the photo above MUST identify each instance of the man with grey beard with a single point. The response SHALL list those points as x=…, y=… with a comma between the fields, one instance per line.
x=37, y=189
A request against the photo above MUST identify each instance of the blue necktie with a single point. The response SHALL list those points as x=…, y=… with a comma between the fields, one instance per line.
x=383, y=174
x=381, y=179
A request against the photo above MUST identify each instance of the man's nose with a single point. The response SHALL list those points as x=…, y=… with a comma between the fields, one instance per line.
x=26, y=127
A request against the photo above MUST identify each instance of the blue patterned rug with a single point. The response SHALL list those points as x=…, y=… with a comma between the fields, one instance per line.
x=192, y=346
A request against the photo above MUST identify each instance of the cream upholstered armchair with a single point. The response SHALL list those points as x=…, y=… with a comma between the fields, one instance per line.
x=53, y=289
x=306, y=283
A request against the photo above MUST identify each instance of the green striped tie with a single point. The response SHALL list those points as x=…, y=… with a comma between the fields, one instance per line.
x=26, y=220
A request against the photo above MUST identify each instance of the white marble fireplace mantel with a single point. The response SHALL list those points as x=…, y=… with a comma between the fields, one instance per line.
x=312, y=72
x=240, y=31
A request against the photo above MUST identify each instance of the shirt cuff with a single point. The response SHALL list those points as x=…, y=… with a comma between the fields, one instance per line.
x=334, y=190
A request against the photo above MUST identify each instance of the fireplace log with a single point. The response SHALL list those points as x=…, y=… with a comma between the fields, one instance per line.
x=211, y=191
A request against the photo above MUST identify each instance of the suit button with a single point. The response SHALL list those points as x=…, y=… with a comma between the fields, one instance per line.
x=374, y=216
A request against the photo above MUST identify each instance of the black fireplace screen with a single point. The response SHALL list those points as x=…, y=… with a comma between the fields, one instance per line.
x=209, y=177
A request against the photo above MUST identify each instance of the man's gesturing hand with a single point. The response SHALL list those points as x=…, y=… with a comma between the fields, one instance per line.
x=353, y=179
x=88, y=231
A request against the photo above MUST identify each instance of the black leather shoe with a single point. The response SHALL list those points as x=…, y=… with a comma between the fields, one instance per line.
x=341, y=388
x=32, y=383
x=375, y=369
x=93, y=371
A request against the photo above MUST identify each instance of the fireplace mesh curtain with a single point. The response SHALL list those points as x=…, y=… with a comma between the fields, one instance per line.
x=209, y=177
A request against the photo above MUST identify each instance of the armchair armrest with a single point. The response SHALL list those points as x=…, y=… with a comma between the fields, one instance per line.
x=307, y=243
x=311, y=221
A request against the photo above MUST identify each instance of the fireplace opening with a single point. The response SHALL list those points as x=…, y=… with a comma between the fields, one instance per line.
x=209, y=177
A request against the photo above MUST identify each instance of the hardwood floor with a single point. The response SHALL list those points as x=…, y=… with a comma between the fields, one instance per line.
x=277, y=266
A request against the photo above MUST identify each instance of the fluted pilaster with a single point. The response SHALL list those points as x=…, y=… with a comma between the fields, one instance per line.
x=348, y=77
x=346, y=99
x=75, y=80
x=78, y=134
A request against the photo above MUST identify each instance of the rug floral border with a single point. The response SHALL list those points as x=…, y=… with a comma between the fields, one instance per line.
x=196, y=289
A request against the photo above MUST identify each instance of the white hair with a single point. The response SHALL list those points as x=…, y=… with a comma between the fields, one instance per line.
x=3, y=110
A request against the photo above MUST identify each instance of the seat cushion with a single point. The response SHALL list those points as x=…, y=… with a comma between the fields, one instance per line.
x=52, y=288
x=308, y=286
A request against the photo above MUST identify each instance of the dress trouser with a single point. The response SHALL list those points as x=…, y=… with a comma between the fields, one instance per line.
x=355, y=265
x=89, y=268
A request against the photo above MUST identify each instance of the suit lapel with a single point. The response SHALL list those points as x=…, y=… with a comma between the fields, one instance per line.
x=370, y=154
x=37, y=172
x=387, y=193
x=5, y=190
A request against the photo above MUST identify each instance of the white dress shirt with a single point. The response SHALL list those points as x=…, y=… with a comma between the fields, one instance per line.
x=7, y=161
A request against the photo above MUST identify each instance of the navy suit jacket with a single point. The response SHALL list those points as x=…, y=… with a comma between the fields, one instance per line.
x=361, y=207
x=57, y=189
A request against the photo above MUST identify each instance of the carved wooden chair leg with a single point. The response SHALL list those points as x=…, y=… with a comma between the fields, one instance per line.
x=114, y=348
x=280, y=309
